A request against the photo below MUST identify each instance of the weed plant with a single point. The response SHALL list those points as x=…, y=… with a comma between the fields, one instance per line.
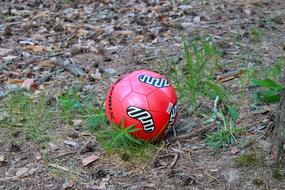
x=30, y=114
x=113, y=138
x=118, y=139
x=269, y=89
x=226, y=133
x=195, y=80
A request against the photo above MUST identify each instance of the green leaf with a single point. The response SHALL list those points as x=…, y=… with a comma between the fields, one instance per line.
x=276, y=70
x=233, y=112
x=132, y=139
x=267, y=83
x=216, y=89
x=269, y=96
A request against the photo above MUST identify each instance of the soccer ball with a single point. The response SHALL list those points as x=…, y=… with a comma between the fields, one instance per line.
x=145, y=100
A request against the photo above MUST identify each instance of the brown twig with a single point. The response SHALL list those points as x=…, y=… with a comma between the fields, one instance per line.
x=176, y=156
x=197, y=132
x=63, y=168
x=229, y=76
x=154, y=160
x=64, y=154
x=74, y=69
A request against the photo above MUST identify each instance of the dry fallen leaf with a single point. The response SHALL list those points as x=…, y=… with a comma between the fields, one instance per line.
x=15, y=81
x=2, y=158
x=88, y=160
x=234, y=150
x=22, y=171
x=71, y=143
x=46, y=64
x=38, y=157
x=4, y=52
x=35, y=48
x=77, y=122
x=124, y=32
x=96, y=75
x=27, y=84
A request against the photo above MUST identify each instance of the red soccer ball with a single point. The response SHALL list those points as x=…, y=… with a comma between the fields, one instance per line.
x=145, y=100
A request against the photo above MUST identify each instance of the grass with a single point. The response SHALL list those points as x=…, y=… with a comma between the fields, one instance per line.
x=225, y=134
x=250, y=159
x=118, y=139
x=29, y=114
x=278, y=172
x=34, y=117
x=195, y=78
x=87, y=109
x=269, y=88
x=256, y=34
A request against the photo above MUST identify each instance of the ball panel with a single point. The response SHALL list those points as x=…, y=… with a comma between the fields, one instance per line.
x=135, y=99
x=131, y=121
x=108, y=102
x=140, y=87
x=169, y=92
x=173, y=101
x=158, y=101
x=114, y=111
x=161, y=121
x=122, y=89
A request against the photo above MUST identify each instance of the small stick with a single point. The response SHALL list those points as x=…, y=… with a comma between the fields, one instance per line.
x=62, y=168
x=75, y=70
x=189, y=135
x=13, y=177
x=174, y=160
x=229, y=76
x=176, y=156
x=156, y=154
x=64, y=154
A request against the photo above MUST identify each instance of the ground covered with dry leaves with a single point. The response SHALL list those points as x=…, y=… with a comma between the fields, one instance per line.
x=50, y=47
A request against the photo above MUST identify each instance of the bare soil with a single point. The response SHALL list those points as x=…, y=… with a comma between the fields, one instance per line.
x=104, y=39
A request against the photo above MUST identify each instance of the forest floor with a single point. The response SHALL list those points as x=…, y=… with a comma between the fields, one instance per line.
x=50, y=47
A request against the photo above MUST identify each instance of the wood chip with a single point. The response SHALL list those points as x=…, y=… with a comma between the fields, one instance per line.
x=88, y=160
x=71, y=143
x=229, y=76
x=28, y=83
x=22, y=171
x=35, y=48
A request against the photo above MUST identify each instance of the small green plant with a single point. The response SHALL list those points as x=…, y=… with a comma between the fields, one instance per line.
x=225, y=135
x=69, y=104
x=119, y=136
x=118, y=139
x=278, y=172
x=72, y=106
x=30, y=114
x=195, y=79
x=258, y=182
x=271, y=92
x=250, y=159
x=256, y=34
x=270, y=88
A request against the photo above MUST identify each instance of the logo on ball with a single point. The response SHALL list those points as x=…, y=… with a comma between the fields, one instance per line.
x=173, y=114
x=157, y=82
x=143, y=116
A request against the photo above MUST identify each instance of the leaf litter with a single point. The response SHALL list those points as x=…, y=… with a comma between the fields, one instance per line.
x=54, y=45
